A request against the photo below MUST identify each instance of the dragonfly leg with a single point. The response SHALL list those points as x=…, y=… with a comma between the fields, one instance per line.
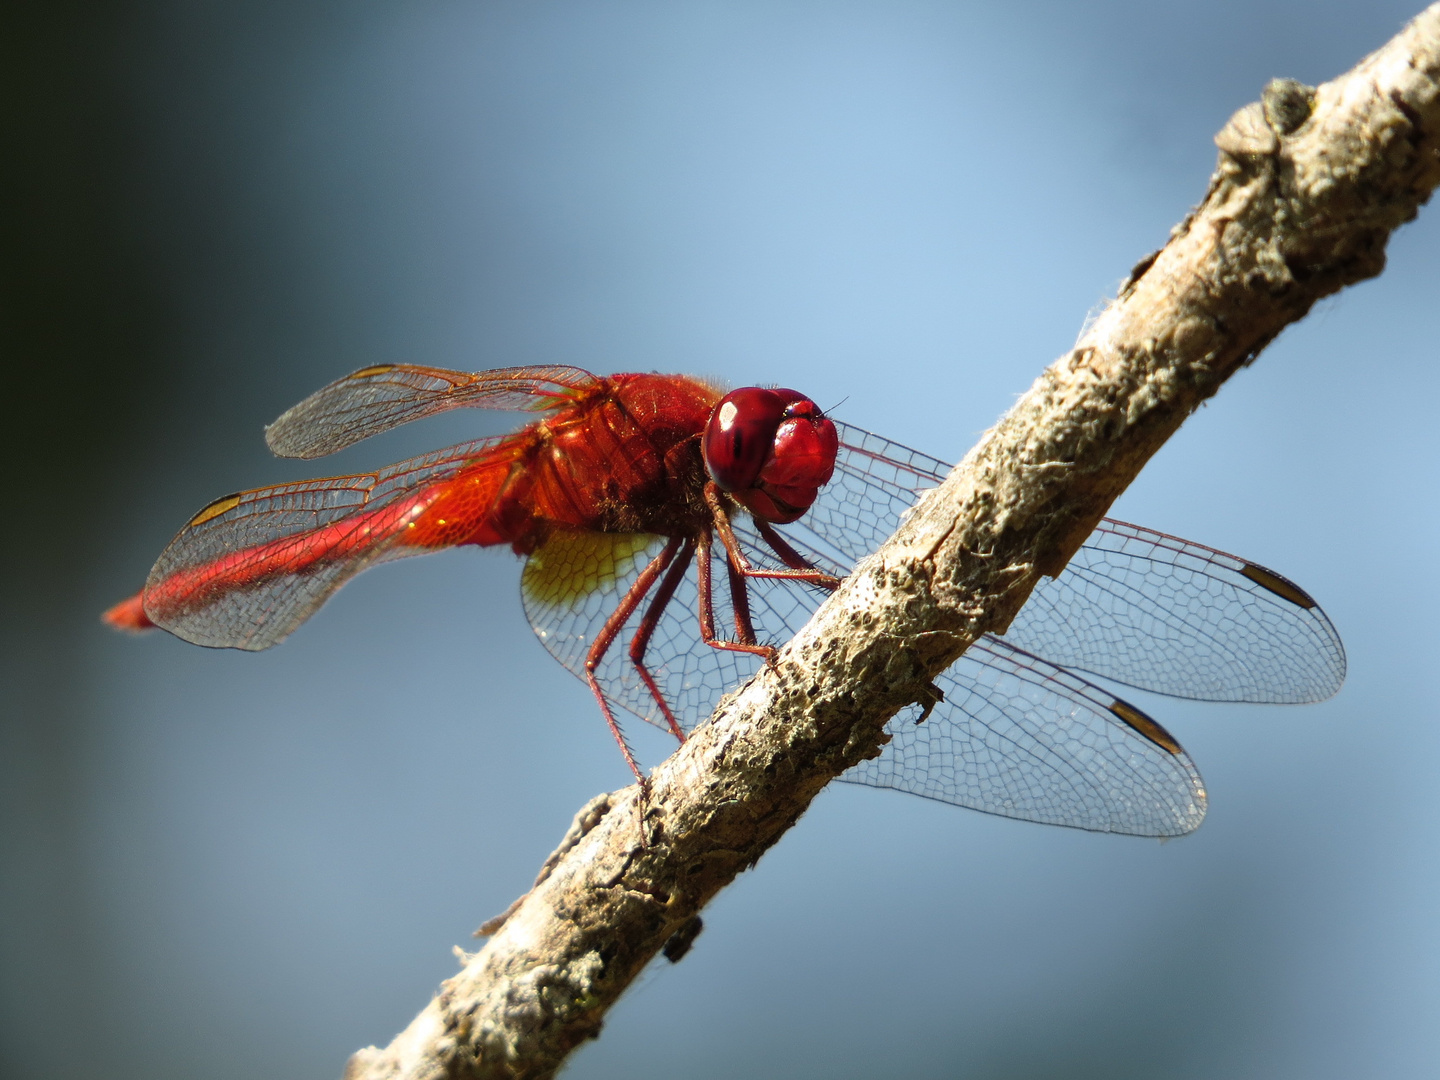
x=606, y=637
x=740, y=605
x=745, y=631
x=658, y=603
x=799, y=569
x=790, y=557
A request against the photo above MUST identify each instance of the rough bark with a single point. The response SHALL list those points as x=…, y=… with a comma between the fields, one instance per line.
x=1308, y=186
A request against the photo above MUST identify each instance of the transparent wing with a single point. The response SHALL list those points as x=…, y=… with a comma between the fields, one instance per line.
x=1021, y=738
x=251, y=567
x=1182, y=619
x=375, y=399
x=1015, y=735
x=1134, y=605
x=571, y=586
x=876, y=482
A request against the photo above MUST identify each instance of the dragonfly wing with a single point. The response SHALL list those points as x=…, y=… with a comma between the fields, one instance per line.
x=575, y=581
x=1178, y=618
x=251, y=567
x=1134, y=605
x=875, y=484
x=1022, y=738
x=1017, y=736
x=375, y=399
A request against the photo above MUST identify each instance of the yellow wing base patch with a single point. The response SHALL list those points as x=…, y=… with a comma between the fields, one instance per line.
x=571, y=566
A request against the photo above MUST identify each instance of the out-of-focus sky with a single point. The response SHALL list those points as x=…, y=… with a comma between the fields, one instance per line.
x=227, y=865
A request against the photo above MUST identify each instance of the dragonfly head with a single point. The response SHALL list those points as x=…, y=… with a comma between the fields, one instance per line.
x=770, y=450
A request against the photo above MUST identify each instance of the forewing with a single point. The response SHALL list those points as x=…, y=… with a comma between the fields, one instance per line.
x=375, y=399
x=875, y=484
x=576, y=580
x=1179, y=618
x=251, y=567
x=1134, y=605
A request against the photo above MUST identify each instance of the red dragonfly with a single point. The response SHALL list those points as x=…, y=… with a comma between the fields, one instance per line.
x=624, y=484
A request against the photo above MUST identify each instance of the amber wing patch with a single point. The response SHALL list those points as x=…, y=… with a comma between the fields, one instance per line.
x=216, y=508
x=572, y=566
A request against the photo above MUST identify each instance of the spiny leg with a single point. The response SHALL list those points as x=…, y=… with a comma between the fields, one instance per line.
x=740, y=589
x=740, y=605
x=739, y=567
x=707, y=608
x=788, y=555
x=658, y=604
x=606, y=637
x=792, y=558
x=803, y=572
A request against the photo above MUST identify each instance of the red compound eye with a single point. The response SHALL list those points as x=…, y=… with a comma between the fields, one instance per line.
x=740, y=435
x=772, y=450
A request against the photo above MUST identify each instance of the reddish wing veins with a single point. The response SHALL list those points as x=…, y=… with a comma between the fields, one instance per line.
x=375, y=399
x=251, y=567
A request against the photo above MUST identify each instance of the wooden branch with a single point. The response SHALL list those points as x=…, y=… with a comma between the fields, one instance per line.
x=1308, y=186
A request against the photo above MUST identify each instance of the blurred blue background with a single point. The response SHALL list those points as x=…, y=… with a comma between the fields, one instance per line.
x=228, y=865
